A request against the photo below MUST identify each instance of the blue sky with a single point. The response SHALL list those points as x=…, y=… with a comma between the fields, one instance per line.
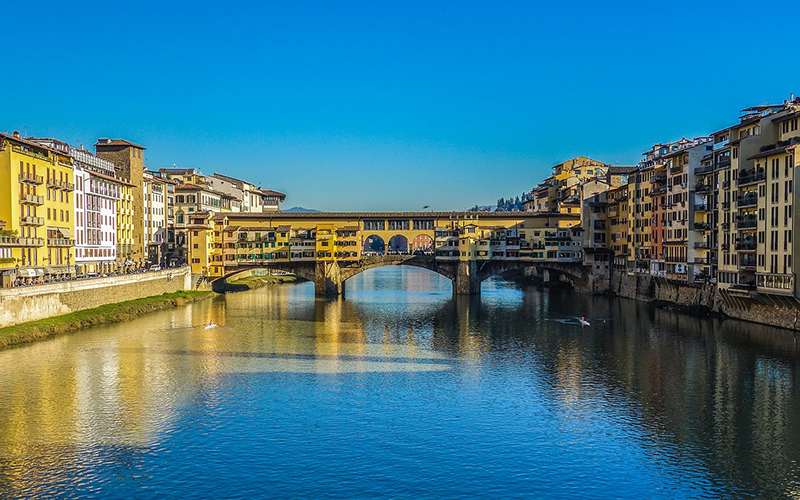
x=391, y=105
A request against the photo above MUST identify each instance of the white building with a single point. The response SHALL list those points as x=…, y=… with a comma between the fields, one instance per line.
x=97, y=191
x=253, y=199
x=155, y=216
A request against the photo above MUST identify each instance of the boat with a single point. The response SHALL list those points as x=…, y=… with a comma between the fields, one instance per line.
x=210, y=324
x=583, y=321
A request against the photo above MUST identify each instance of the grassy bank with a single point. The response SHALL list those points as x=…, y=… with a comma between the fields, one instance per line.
x=109, y=313
x=252, y=282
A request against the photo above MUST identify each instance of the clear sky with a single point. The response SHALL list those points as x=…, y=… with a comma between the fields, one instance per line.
x=391, y=105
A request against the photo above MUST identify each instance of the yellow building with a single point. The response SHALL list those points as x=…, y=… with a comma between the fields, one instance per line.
x=37, y=205
x=125, y=226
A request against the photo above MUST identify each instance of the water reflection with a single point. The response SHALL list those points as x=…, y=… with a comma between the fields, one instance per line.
x=395, y=378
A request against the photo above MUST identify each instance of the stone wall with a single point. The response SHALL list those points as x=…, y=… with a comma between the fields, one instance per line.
x=21, y=304
x=780, y=311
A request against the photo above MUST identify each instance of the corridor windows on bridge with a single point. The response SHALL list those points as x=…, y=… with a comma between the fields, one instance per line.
x=374, y=225
x=398, y=225
x=423, y=225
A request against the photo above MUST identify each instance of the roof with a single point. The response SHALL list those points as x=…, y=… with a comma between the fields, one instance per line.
x=32, y=144
x=621, y=170
x=255, y=228
x=786, y=117
x=476, y=216
x=270, y=192
x=104, y=141
x=108, y=177
x=774, y=151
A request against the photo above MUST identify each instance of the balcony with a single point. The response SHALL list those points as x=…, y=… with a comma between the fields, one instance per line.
x=60, y=242
x=57, y=184
x=656, y=179
x=31, y=199
x=701, y=207
x=702, y=245
x=747, y=246
x=704, y=169
x=747, y=265
x=27, y=220
x=28, y=178
x=702, y=226
x=747, y=223
x=703, y=188
x=750, y=179
x=14, y=241
x=721, y=144
x=747, y=201
x=705, y=261
x=723, y=164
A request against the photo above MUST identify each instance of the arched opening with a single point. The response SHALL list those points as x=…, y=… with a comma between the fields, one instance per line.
x=398, y=244
x=422, y=244
x=374, y=245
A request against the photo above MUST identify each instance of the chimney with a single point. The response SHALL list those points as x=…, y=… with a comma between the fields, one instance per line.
x=16, y=134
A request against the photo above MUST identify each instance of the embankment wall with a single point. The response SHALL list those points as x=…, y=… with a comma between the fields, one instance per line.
x=21, y=304
x=774, y=310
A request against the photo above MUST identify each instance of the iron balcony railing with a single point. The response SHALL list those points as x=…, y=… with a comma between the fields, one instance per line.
x=747, y=201
x=750, y=179
x=747, y=223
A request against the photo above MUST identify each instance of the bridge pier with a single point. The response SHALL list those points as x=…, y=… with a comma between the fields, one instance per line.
x=467, y=281
x=328, y=279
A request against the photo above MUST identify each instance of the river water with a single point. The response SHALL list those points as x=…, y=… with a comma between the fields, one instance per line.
x=402, y=391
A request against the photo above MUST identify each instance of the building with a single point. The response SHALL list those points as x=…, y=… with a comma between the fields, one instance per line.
x=154, y=194
x=37, y=208
x=96, y=199
x=129, y=157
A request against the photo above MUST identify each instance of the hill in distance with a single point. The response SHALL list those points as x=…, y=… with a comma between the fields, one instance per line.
x=302, y=209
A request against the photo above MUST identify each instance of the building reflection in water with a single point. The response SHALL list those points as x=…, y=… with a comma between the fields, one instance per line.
x=721, y=393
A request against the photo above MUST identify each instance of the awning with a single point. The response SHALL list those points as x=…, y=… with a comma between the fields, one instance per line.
x=39, y=272
x=66, y=233
x=27, y=273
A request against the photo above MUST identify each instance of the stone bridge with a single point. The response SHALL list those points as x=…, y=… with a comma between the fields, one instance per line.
x=329, y=277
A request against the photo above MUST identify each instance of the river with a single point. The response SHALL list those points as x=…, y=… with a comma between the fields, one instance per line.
x=402, y=391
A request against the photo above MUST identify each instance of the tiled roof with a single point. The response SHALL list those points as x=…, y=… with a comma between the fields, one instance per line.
x=117, y=142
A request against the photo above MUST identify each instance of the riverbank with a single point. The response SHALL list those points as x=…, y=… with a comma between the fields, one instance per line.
x=108, y=313
x=257, y=281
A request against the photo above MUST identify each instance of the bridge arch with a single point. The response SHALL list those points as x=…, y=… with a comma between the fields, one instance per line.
x=374, y=244
x=398, y=244
x=422, y=243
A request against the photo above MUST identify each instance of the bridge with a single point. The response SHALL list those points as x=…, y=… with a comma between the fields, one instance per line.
x=329, y=248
